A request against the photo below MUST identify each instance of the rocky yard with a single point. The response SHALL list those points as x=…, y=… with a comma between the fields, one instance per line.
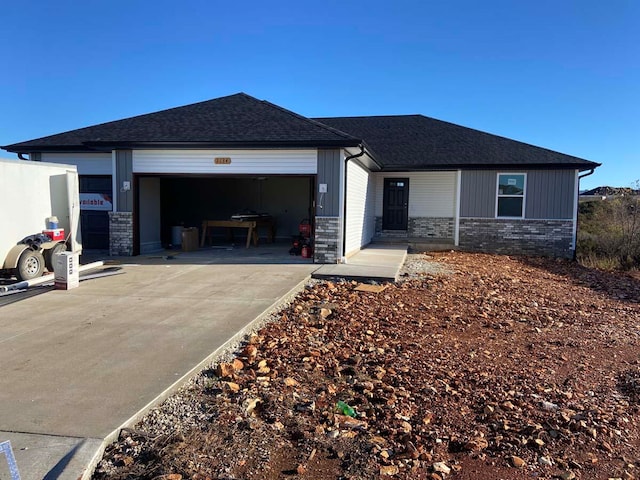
x=472, y=367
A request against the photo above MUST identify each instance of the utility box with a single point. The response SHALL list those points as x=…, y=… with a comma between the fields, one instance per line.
x=66, y=271
x=189, y=239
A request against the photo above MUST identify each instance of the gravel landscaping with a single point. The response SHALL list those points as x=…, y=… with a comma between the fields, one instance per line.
x=472, y=366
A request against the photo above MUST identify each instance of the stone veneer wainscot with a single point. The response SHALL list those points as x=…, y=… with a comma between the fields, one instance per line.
x=121, y=233
x=421, y=227
x=520, y=237
x=326, y=240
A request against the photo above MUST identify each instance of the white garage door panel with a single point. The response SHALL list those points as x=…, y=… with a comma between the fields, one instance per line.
x=87, y=163
x=431, y=194
x=242, y=161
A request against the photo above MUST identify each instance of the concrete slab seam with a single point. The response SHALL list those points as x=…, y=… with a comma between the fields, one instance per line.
x=226, y=348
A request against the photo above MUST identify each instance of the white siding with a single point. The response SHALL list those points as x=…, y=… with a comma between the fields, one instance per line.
x=250, y=162
x=431, y=194
x=360, y=202
x=87, y=163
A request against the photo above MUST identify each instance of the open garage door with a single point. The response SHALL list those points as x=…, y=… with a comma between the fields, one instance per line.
x=189, y=200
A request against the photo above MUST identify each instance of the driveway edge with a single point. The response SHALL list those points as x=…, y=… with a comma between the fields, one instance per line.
x=226, y=348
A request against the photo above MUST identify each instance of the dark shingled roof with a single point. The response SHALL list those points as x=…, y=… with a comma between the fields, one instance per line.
x=416, y=142
x=404, y=142
x=237, y=120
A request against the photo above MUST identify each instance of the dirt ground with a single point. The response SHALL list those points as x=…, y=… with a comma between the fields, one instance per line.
x=472, y=367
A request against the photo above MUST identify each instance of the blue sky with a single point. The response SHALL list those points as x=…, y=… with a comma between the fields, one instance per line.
x=562, y=74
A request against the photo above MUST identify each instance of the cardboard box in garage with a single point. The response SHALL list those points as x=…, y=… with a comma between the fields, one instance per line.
x=189, y=239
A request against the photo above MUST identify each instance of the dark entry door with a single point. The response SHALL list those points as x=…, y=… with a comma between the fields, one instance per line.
x=395, y=210
x=95, y=203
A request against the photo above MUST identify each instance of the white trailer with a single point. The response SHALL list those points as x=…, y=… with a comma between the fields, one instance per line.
x=30, y=194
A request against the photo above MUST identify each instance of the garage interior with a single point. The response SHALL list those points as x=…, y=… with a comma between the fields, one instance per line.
x=165, y=202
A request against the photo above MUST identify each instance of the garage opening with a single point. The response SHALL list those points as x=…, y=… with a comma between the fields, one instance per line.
x=167, y=202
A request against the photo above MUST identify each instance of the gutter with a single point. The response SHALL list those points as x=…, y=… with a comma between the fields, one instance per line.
x=221, y=144
x=104, y=146
x=590, y=172
x=344, y=203
x=487, y=166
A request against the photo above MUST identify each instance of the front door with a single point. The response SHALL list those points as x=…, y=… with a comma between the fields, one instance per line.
x=395, y=210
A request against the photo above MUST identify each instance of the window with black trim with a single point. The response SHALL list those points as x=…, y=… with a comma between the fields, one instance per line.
x=511, y=195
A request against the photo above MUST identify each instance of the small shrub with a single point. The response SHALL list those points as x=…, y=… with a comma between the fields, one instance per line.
x=609, y=232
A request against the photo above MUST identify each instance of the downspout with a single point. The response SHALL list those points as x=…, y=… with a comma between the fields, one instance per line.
x=575, y=239
x=344, y=206
x=21, y=157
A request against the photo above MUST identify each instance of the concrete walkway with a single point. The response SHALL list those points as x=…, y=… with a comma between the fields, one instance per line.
x=76, y=365
x=376, y=262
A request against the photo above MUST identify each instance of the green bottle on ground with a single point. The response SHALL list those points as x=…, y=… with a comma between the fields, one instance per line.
x=345, y=409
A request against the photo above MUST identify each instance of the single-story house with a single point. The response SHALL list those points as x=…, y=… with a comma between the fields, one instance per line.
x=356, y=179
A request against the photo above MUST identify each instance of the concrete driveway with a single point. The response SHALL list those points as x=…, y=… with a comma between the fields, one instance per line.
x=75, y=365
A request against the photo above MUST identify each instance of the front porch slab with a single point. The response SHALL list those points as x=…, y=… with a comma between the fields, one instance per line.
x=380, y=263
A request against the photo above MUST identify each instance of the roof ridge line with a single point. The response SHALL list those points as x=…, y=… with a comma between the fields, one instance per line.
x=312, y=121
x=375, y=116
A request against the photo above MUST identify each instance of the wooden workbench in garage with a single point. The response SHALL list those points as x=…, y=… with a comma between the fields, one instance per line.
x=250, y=225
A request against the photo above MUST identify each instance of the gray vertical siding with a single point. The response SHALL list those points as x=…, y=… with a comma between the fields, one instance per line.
x=329, y=173
x=478, y=194
x=124, y=172
x=550, y=194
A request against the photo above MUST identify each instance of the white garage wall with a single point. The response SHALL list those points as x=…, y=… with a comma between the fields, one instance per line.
x=360, y=207
x=431, y=194
x=252, y=162
x=87, y=163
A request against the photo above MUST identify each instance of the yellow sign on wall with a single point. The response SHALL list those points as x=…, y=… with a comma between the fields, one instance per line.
x=222, y=160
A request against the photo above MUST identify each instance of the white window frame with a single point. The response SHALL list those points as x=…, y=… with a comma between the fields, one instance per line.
x=524, y=194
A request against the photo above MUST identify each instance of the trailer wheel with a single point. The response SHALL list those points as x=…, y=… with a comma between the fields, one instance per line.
x=50, y=255
x=30, y=265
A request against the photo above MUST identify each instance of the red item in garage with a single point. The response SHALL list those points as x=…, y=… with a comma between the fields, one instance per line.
x=305, y=228
x=306, y=251
x=55, y=234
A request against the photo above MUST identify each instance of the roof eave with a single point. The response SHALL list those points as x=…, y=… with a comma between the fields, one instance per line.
x=234, y=145
x=17, y=148
x=108, y=146
x=587, y=165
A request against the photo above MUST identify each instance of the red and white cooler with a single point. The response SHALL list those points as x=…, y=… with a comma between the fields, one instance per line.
x=55, y=234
